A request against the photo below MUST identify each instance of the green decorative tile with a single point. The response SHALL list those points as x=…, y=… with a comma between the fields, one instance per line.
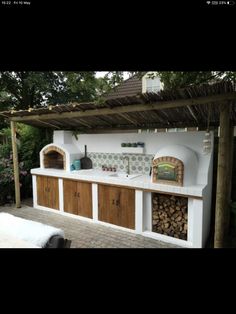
x=138, y=163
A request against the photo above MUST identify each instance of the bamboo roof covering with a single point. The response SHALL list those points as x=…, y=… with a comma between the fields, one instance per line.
x=195, y=106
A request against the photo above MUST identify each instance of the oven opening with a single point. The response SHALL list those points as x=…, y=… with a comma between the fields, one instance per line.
x=54, y=160
x=168, y=170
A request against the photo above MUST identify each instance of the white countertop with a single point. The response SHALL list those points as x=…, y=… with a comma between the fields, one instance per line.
x=139, y=182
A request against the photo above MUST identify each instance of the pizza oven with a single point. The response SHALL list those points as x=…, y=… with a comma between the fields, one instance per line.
x=61, y=153
x=175, y=165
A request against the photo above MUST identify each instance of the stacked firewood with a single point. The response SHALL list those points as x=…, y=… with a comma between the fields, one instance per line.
x=170, y=215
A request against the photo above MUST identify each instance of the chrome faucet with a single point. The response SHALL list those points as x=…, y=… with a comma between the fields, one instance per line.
x=128, y=165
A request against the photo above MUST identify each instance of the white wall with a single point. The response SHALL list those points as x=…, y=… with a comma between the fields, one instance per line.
x=207, y=209
x=111, y=143
x=62, y=137
x=147, y=211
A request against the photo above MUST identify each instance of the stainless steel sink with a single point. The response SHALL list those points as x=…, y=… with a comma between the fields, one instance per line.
x=124, y=175
x=99, y=173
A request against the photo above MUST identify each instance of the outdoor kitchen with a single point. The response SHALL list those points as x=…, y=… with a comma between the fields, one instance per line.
x=160, y=189
x=139, y=160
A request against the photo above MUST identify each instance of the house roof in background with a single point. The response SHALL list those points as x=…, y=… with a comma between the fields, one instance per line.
x=130, y=87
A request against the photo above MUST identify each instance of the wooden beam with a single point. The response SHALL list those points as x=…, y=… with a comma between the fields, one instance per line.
x=103, y=120
x=123, y=115
x=49, y=124
x=103, y=129
x=231, y=154
x=81, y=121
x=192, y=113
x=15, y=164
x=222, y=209
x=130, y=108
x=4, y=115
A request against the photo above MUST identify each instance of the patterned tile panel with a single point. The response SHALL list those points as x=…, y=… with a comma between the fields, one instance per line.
x=139, y=163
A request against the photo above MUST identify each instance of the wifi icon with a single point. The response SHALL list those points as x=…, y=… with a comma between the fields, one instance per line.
x=208, y=2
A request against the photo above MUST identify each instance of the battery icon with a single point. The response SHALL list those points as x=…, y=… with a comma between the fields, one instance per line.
x=231, y=2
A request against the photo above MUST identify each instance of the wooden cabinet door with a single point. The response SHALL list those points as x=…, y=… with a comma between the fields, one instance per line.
x=53, y=192
x=107, y=208
x=127, y=208
x=48, y=192
x=78, y=198
x=70, y=196
x=42, y=191
x=116, y=206
x=84, y=193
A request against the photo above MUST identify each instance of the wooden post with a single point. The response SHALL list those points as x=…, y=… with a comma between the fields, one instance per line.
x=15, y=164
x=223, y=176
x=231, y=155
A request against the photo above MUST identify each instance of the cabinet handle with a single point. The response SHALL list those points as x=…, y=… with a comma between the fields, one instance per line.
x=78, y=194
x=117, y=202
x=113, y=202
x=75, y=194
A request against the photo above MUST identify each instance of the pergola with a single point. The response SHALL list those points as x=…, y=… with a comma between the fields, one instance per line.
x=201, y=106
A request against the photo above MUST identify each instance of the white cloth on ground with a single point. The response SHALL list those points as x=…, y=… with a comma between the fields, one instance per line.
x=28, y=230
x=9, y=242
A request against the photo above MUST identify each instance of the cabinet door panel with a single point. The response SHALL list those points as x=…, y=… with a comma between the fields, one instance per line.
x=70, y=197
x=48, y=192
x=127, y=208
x=84, y=194
x=42, y=191
x=78, y=198
x=116, y=206
x=107, y=209
x=53, y=193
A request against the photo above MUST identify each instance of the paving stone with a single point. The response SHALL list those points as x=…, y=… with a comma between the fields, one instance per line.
x=86, y=234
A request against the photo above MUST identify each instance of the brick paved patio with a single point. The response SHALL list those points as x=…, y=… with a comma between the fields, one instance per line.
x=87, y=234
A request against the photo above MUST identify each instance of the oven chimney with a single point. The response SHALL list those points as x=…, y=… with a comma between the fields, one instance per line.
x=62, y=137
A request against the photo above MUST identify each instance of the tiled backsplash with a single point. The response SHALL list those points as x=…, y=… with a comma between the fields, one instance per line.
x=139, y=163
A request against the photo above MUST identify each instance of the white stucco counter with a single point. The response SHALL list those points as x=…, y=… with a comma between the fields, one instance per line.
x=115, y=200
x=142, y=182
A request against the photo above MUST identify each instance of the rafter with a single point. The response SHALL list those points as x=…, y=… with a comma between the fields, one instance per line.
x=123, y=115
x=192, y=114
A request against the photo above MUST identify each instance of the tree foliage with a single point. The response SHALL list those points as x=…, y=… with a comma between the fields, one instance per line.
x=181, y=79
x=34, y=89
x=24, y=89
x=30, y=141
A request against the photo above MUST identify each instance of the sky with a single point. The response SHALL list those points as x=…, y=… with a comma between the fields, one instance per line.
x=103, y=73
